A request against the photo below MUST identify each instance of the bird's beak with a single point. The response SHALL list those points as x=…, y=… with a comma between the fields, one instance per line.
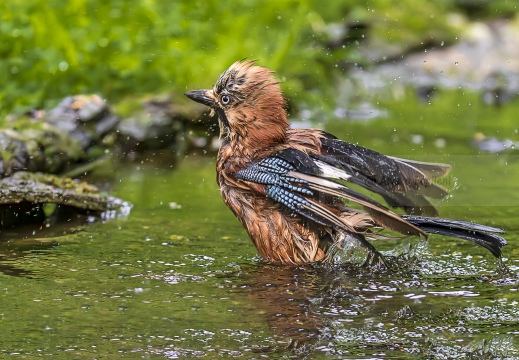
x=202, y=96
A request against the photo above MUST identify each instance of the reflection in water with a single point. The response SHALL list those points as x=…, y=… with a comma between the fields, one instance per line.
x=18, y=242
x=303, y=305
x=285, y=297
x=354, y=312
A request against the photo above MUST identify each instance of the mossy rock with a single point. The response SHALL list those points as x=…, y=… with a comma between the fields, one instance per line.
x=23, y=195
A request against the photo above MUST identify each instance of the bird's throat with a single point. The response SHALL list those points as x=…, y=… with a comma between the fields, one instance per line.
x=223, y=120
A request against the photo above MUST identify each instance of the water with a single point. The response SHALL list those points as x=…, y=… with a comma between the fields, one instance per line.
x=183, y=280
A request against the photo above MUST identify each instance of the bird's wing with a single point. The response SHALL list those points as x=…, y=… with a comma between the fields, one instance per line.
x=402, y=183
x=293, y=179
x=301, y=182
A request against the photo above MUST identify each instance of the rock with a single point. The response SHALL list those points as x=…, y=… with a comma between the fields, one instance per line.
x=23, y=195
x=485, y=59
x=154, y=126
x=161, y=123
x=86, y=118
x=53, y=141
x=493, y=144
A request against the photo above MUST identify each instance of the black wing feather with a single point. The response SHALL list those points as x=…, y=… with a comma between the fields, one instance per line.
x=402, y=183
x=295, y=179
x=480, y=234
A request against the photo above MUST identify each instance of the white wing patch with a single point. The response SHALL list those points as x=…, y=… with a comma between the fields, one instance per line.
x=331, y=172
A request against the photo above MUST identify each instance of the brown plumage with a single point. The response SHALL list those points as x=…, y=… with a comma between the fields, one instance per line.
x=281, y=182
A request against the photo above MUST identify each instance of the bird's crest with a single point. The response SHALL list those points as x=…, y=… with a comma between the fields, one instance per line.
x=245, y=77
x=234, y=76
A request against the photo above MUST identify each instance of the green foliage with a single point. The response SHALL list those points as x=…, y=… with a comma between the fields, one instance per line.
x=49, y=49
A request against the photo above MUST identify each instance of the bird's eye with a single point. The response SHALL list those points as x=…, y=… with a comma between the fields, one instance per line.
x=225, y=99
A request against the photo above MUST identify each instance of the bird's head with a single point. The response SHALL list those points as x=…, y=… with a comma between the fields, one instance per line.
x=249, y=104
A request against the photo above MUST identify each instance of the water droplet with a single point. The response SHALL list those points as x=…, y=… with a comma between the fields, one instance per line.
x=102, y=42
x=440, y=143
x=63, y=66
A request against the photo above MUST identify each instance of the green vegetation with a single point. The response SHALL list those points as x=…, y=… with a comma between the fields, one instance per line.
x=50, y=49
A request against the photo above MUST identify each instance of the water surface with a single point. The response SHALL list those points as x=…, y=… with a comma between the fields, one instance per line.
x=179, y=277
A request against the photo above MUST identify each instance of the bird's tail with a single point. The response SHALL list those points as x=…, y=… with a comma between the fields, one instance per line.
x=480, y=234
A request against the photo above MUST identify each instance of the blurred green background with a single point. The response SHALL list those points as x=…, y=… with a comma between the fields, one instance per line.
x=50, y=49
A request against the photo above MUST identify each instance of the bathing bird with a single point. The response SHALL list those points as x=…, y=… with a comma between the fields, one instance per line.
x=295, y=190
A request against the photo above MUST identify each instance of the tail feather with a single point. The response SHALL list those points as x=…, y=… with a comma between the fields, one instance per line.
x=430, y=170
x=413, y=204
x=482, y=235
